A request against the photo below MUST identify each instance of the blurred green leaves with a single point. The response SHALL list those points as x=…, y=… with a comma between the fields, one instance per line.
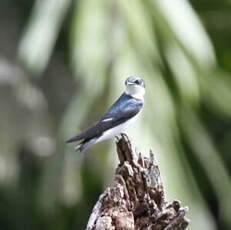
x=165, y=43
x=41, y=33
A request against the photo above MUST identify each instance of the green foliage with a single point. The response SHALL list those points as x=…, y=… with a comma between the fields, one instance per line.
x=186, y=118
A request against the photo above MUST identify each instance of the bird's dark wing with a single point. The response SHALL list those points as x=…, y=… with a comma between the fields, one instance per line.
x=122, y=110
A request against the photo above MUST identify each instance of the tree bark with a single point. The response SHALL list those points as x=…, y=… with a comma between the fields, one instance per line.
x=136, y=200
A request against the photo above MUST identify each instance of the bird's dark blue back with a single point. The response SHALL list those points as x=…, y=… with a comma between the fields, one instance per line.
x=124, y=103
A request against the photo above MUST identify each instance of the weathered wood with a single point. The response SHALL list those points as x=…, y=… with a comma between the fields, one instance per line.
x=136, y=200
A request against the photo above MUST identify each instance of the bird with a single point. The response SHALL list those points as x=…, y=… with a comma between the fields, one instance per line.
x=118, y=117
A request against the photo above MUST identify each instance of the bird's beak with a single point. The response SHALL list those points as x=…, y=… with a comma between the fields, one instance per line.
x=130, y=83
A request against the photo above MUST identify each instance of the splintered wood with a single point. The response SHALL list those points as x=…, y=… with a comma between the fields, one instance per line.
x=136, y=200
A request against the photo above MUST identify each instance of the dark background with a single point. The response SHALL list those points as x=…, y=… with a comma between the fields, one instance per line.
x=63, y=62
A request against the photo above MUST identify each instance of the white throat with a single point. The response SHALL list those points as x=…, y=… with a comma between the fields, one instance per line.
x=135, y=91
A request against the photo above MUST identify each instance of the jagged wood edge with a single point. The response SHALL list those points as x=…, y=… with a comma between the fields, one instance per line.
x=162, y=215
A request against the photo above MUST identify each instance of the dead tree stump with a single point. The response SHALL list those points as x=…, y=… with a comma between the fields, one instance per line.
x=136, y=200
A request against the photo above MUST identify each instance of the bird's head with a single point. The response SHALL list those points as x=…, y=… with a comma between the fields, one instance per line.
x=135, y=87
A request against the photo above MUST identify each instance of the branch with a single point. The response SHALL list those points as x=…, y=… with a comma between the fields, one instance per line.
x=136, y=200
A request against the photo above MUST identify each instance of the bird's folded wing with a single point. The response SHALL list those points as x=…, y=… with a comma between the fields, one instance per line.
x=115, y=116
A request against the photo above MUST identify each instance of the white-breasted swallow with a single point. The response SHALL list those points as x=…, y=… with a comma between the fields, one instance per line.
x=117, y=118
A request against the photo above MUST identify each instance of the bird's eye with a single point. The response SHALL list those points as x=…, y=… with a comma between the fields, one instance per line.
x=137, y=82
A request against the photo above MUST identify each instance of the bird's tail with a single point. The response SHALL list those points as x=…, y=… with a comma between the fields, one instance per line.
x=72, y=139
x=85, y=144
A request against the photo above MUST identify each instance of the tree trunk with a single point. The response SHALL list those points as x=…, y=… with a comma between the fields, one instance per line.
x=136, y=200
